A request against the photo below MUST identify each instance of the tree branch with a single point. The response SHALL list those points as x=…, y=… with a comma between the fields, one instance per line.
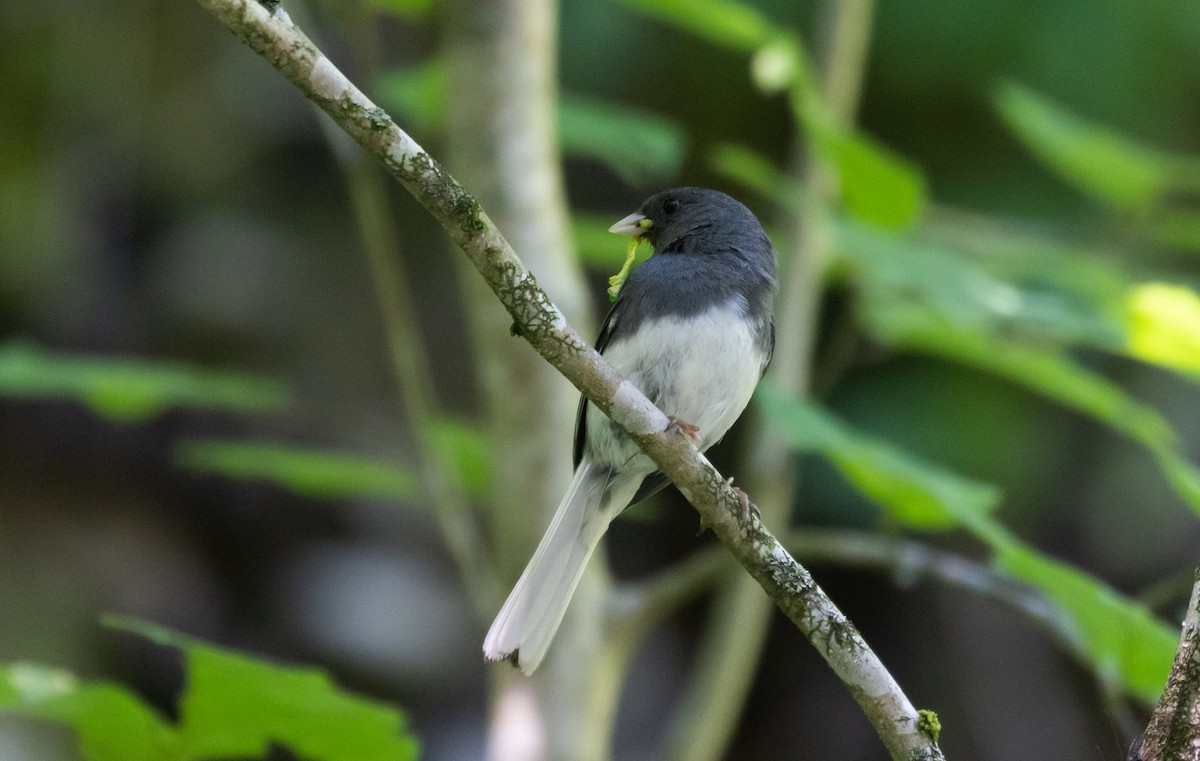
x=642, y=605
x=1174, y=730
x=275, y=38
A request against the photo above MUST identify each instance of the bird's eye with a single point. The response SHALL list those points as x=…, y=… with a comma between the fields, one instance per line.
x=671, y=205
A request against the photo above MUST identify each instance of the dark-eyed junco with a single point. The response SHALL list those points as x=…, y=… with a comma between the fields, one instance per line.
x=692, y=328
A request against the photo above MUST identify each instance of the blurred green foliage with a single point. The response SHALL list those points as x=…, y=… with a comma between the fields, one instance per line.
x=310, y=472
x=944, y=302
x=233, y=706
x=1125, y=644
x=722, y=22
x=1164, y=326
x=409, y=9
x=1096, y=160
x=640, y=147
x=1129, y=648
x=110, y=722
x=466, y=452
x=879, y=187
x=915, y=297
x=131, y=390
x=915, y=493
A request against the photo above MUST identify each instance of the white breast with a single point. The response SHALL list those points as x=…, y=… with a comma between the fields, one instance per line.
x=700, y=369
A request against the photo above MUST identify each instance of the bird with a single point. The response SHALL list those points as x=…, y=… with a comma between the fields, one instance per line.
x=693, y=329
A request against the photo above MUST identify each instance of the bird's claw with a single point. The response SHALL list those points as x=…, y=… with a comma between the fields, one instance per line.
x=748, y=507
x=675, y=425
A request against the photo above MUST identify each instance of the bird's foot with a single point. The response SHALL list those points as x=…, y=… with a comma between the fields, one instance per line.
x=748, y=507
x=675, y=425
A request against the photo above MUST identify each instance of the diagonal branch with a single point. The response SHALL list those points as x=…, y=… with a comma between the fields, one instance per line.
x=270, y=33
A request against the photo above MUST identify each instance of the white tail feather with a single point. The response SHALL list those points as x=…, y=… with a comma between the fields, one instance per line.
x=526, y=624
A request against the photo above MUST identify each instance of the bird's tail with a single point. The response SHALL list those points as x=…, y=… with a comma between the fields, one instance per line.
x=526, y=624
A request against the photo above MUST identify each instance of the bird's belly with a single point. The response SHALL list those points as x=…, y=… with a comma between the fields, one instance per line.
x=700, y=369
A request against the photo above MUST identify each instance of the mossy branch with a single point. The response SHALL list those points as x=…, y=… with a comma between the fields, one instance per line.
x=1174, y=730
x=271, y=34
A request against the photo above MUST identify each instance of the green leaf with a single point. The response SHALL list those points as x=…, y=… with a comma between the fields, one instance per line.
x=914, y=492
x=755, y=171
x=311, y=472
x=1045, y=371
x=110, y=723
x=465, y=449
x=879, y=187
x=905, y=281
x=1096, y=160
x=1122, y=641
x=417, y=93
x=1090, y=284
x=413, y=10
x=725, y=23
x=1125, y=642
x=237, y=706
x=1164, y=326
x=1056, y=377
x=1177, y=227
x=129, y=390
x=641, y=148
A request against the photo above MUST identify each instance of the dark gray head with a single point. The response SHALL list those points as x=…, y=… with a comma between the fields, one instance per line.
x=707, y=246
x=695, y=220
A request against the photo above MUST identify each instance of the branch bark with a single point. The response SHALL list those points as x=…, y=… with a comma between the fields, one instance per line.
x=1174, y=730
x=270, y=33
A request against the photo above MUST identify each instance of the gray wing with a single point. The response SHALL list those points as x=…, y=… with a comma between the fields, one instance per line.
x=602, y=340
x=770, y=349
x=655, y=481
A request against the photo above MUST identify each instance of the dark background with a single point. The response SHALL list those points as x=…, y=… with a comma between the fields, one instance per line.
x=165, y=194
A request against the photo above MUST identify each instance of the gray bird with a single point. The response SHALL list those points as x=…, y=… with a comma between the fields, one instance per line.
x=692, y=328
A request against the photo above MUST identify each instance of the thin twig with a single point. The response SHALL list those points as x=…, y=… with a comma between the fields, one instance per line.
x=410, y=368
x=273, y=36
x=1168, y=593
x=644, y=604
x=413, y=376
